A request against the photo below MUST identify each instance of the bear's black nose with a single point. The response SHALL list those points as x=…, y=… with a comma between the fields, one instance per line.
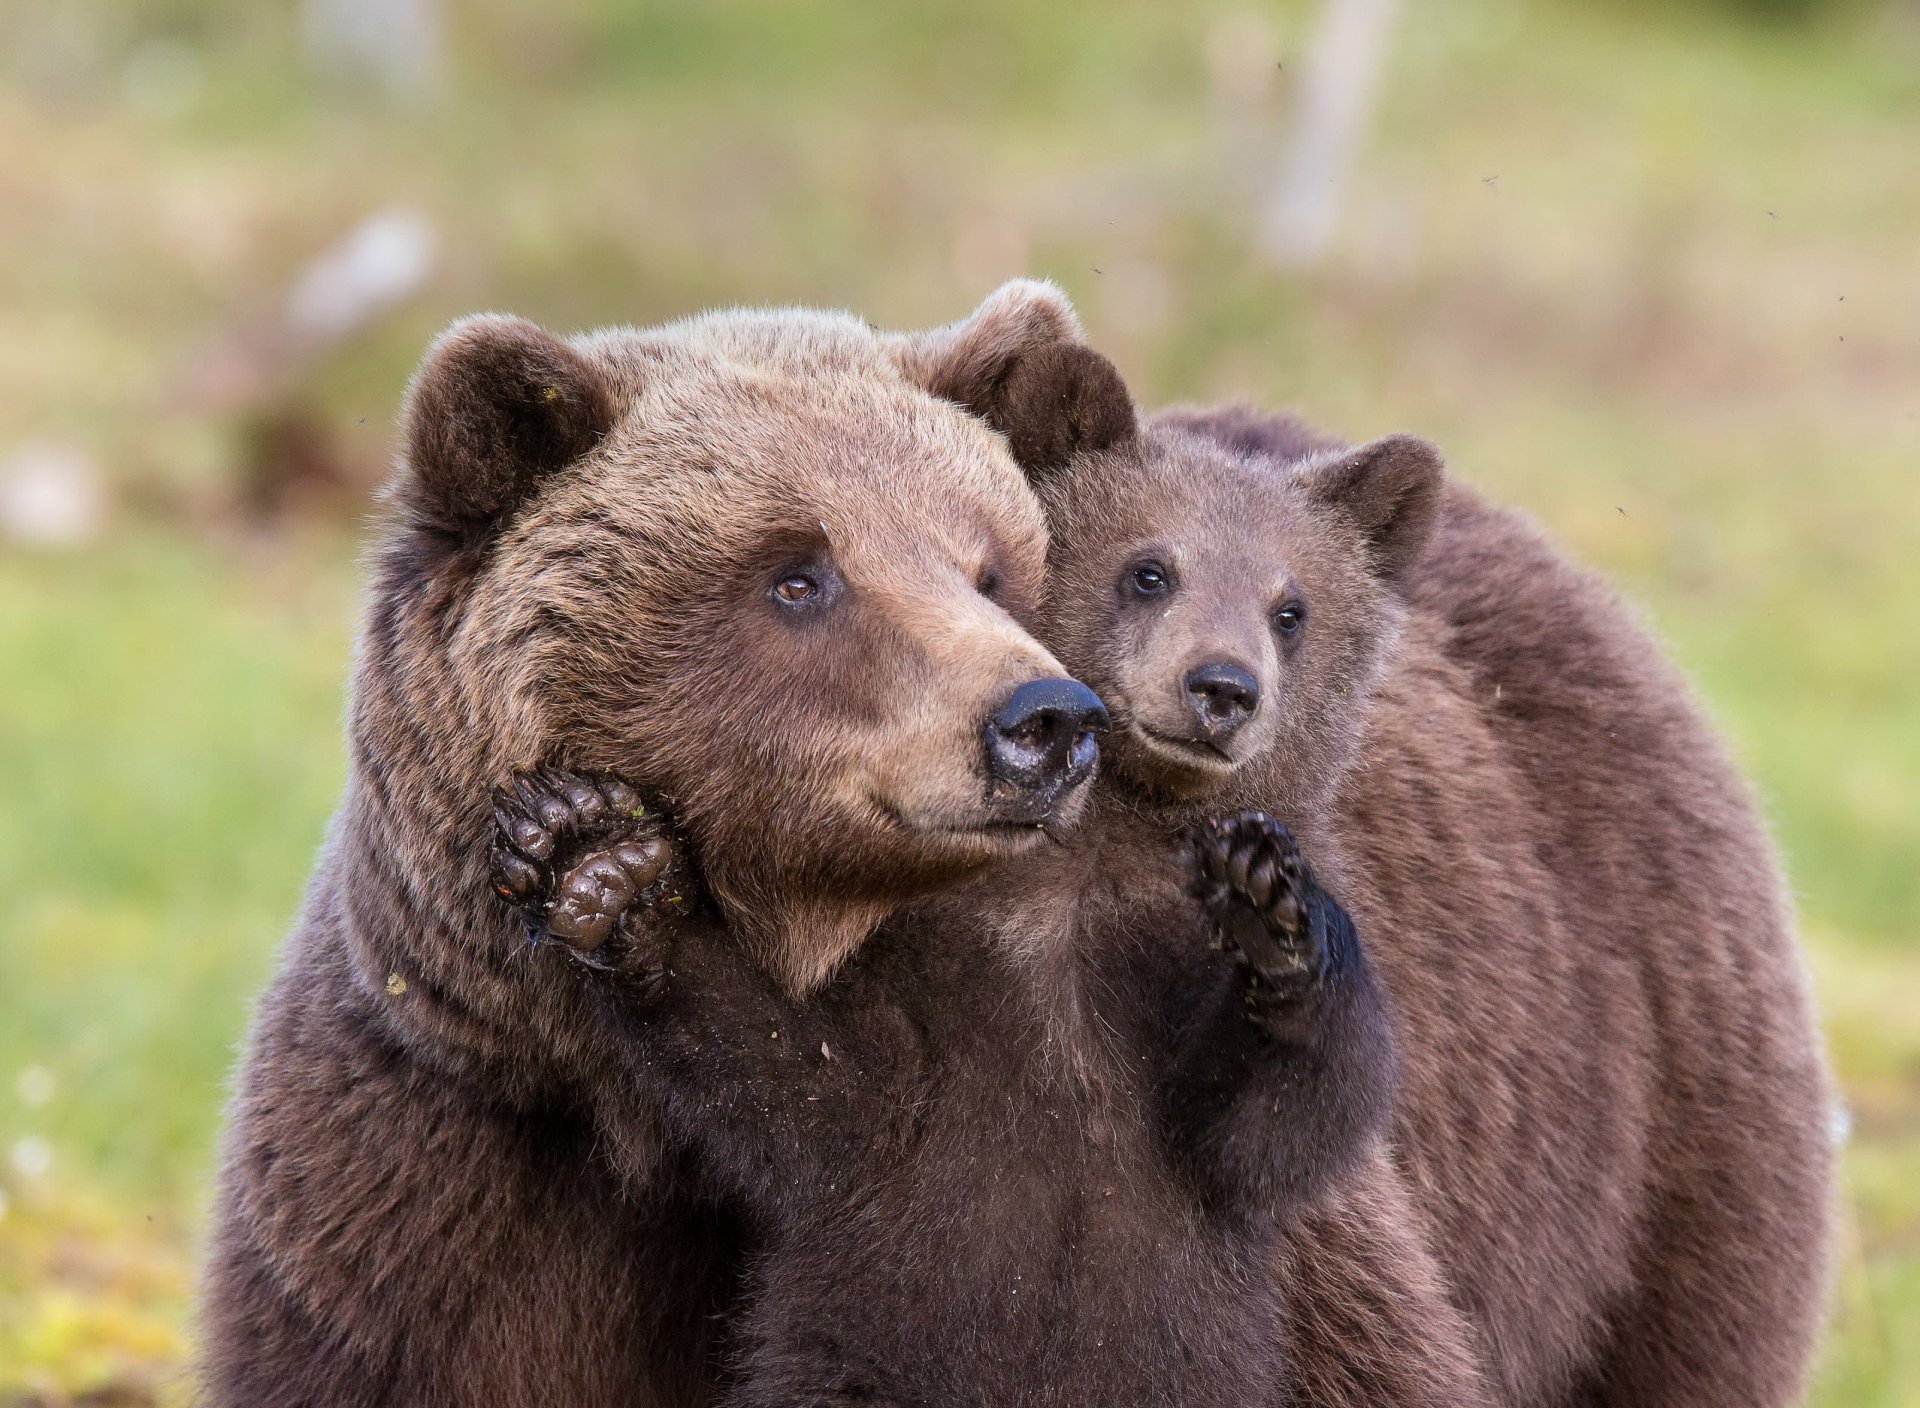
x=1223, y=697
x=1042, y=739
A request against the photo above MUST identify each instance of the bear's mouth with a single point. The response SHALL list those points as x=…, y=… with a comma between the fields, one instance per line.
x=983, y=826
x=1189, y=752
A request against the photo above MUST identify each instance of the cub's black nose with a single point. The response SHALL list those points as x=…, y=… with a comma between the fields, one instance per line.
x=1042, y=739
x=1223, y=697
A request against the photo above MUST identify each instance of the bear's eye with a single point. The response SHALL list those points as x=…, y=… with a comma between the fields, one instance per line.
x=989, y=584
x=805, y=586
x=797, y=588
x=1289, y=618
x=1149, y=579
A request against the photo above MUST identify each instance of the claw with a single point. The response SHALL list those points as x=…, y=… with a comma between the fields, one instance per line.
x=1238, y=864
x=516, y=878
x=1260, y=879
x=587, y=803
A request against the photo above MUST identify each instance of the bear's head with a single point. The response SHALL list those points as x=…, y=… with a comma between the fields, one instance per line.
x=1232, y=606
x=747, y=564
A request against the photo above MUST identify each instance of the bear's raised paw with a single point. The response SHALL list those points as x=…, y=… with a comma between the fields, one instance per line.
x=577, y=853
x=1264, y=903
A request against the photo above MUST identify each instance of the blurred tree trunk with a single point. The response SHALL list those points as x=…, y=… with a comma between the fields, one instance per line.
x=396, y=43
x=1337, y=91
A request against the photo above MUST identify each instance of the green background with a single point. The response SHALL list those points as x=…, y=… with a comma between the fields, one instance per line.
x=1650, y=271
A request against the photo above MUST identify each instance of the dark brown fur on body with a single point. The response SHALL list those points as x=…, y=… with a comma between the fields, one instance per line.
x=1611, y=1141
x=390, y=1231
x=964, y=1187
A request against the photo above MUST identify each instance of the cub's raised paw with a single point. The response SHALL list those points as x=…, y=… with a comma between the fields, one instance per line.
x=1264, y=904
x=577, y=854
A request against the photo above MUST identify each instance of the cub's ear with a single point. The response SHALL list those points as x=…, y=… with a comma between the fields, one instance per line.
x=1391, y=489
x=497, y=405
x=1018, y=363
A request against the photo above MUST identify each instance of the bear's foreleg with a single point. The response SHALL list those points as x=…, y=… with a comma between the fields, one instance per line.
x=768, y=1091
x=1278, y=1080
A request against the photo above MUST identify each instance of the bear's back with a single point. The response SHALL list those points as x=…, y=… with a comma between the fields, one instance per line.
x=1608, y=1006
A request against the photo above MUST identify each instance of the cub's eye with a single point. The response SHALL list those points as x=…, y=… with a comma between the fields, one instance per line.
x=798, y=588
x=1149, y=579
x=989, y=585
x=1289, y=618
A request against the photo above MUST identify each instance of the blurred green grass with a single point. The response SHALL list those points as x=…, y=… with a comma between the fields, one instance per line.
x=1646, y=272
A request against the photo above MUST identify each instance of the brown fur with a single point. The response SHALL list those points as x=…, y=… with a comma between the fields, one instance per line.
x=983, y=1165
x=1599, y=1134
x=1665, y=865
x=982, y=1173
x=1610, y=1174
x=989, y=1163
x=435, y=1188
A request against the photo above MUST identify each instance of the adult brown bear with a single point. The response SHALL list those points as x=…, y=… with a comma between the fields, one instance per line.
x=427, y=1197
x=1610, y=1172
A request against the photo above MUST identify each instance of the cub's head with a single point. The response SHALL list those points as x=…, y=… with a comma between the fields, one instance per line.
x=744, y=562
x=1232, y=605
x=1233, y=611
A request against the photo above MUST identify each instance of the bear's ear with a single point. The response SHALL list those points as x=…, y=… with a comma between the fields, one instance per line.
x=497, y=404
x=1391, y=489
x=1018, y=363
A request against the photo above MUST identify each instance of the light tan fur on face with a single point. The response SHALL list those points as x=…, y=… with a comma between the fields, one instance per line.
x=622, y=619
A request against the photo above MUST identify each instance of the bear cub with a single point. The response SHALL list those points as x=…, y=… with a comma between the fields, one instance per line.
x=1564, y=884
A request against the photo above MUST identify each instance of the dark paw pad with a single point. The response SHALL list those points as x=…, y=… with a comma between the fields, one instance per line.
x=577, y=853
x=1258, y=891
